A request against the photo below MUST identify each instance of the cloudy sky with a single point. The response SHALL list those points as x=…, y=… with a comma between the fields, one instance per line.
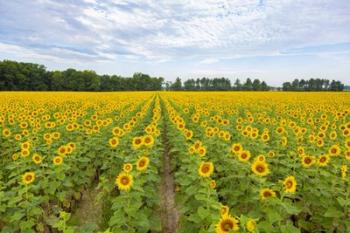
x=274, y=40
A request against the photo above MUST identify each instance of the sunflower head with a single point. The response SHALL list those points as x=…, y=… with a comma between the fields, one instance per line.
x=124, y=181
x=113, y=142
x=307, y=161
x=142, y=163
x=244, y=156
x=334, y=150
x=137, y=142
x=260, y=168
x=227, y=224
x=250, y=225
x=224, y=210
x=148, y=140
x=236, y=148
x=37, y=158
x=28, y=178
x=290, y=184
x=212, y=184
x=202, y=151
x=323, y=160
x=206, y=169
x=267, y=193
x=57, y=160
x=127, y=167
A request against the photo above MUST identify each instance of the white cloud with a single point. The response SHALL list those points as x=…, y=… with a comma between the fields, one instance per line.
x=199, y=31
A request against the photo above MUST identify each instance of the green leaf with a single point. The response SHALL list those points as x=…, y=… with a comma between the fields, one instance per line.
x=202, y=212
x=273, y=215
x=333, y=213
x=289, y=228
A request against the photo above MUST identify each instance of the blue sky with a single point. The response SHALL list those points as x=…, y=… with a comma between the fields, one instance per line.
x=271, y=40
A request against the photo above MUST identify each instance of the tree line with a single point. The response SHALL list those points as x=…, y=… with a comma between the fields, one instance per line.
x=313, y=85
x=19, y=76
x=217, y=84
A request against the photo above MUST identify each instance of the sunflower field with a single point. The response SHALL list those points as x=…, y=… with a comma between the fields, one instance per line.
x=154, y=162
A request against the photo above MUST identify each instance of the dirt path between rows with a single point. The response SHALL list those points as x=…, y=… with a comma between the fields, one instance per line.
x=170, y=215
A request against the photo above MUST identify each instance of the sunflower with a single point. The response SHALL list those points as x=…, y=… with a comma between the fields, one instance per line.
x=344, y=171
x=236, y=148
x=57, y=160
x=188, y=134
x=28, y=178
x=347, y=143
x=224, y=210
x=212, y=184
x=113, y=142
x=25, y=145
x=191, y=150
x=347, y=155
x=142, y=163
x=290, y=184
x=271, y=154
x=62, y=150
x=37, y=158
x=260, y=158
x=227, y=224
x=6, y=132
x=15, y=156
x=250, y=225
x=334, y=150
x=124, y=181
x=244, y=156
x=25, y=153
x=267, y=193
x=307, y=161
x=260, y=168
x=197, y=144
x=148, y=140
x=202, y=151
x=127, y=167
x=323, y=160
x=137, y=142
x=206, y=169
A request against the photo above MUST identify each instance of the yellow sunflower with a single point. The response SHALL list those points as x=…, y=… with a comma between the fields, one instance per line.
x=224, y=210
x=250, y=225
x=307, y=161
x=236, y=148
x=260, y=168
x=290, y=184
x=62, y=150
x=37, y=158
x=323, y=160
x=227, y=224
x=148, y=140
x=347, y=143
x=127, y=167
x=334, y=150
x=124, y=181
x=347, y=155
x=267, y=193
x=202, y=151
x=212, y=184
x=206, y=169
x=25, y=152
x=28, y=178
x=244, y=156
x=142, y=163
x=137, y=142
x=113, y=142
x=57, y=160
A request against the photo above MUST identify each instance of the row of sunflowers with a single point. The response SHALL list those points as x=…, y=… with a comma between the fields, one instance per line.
x=242, y=161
